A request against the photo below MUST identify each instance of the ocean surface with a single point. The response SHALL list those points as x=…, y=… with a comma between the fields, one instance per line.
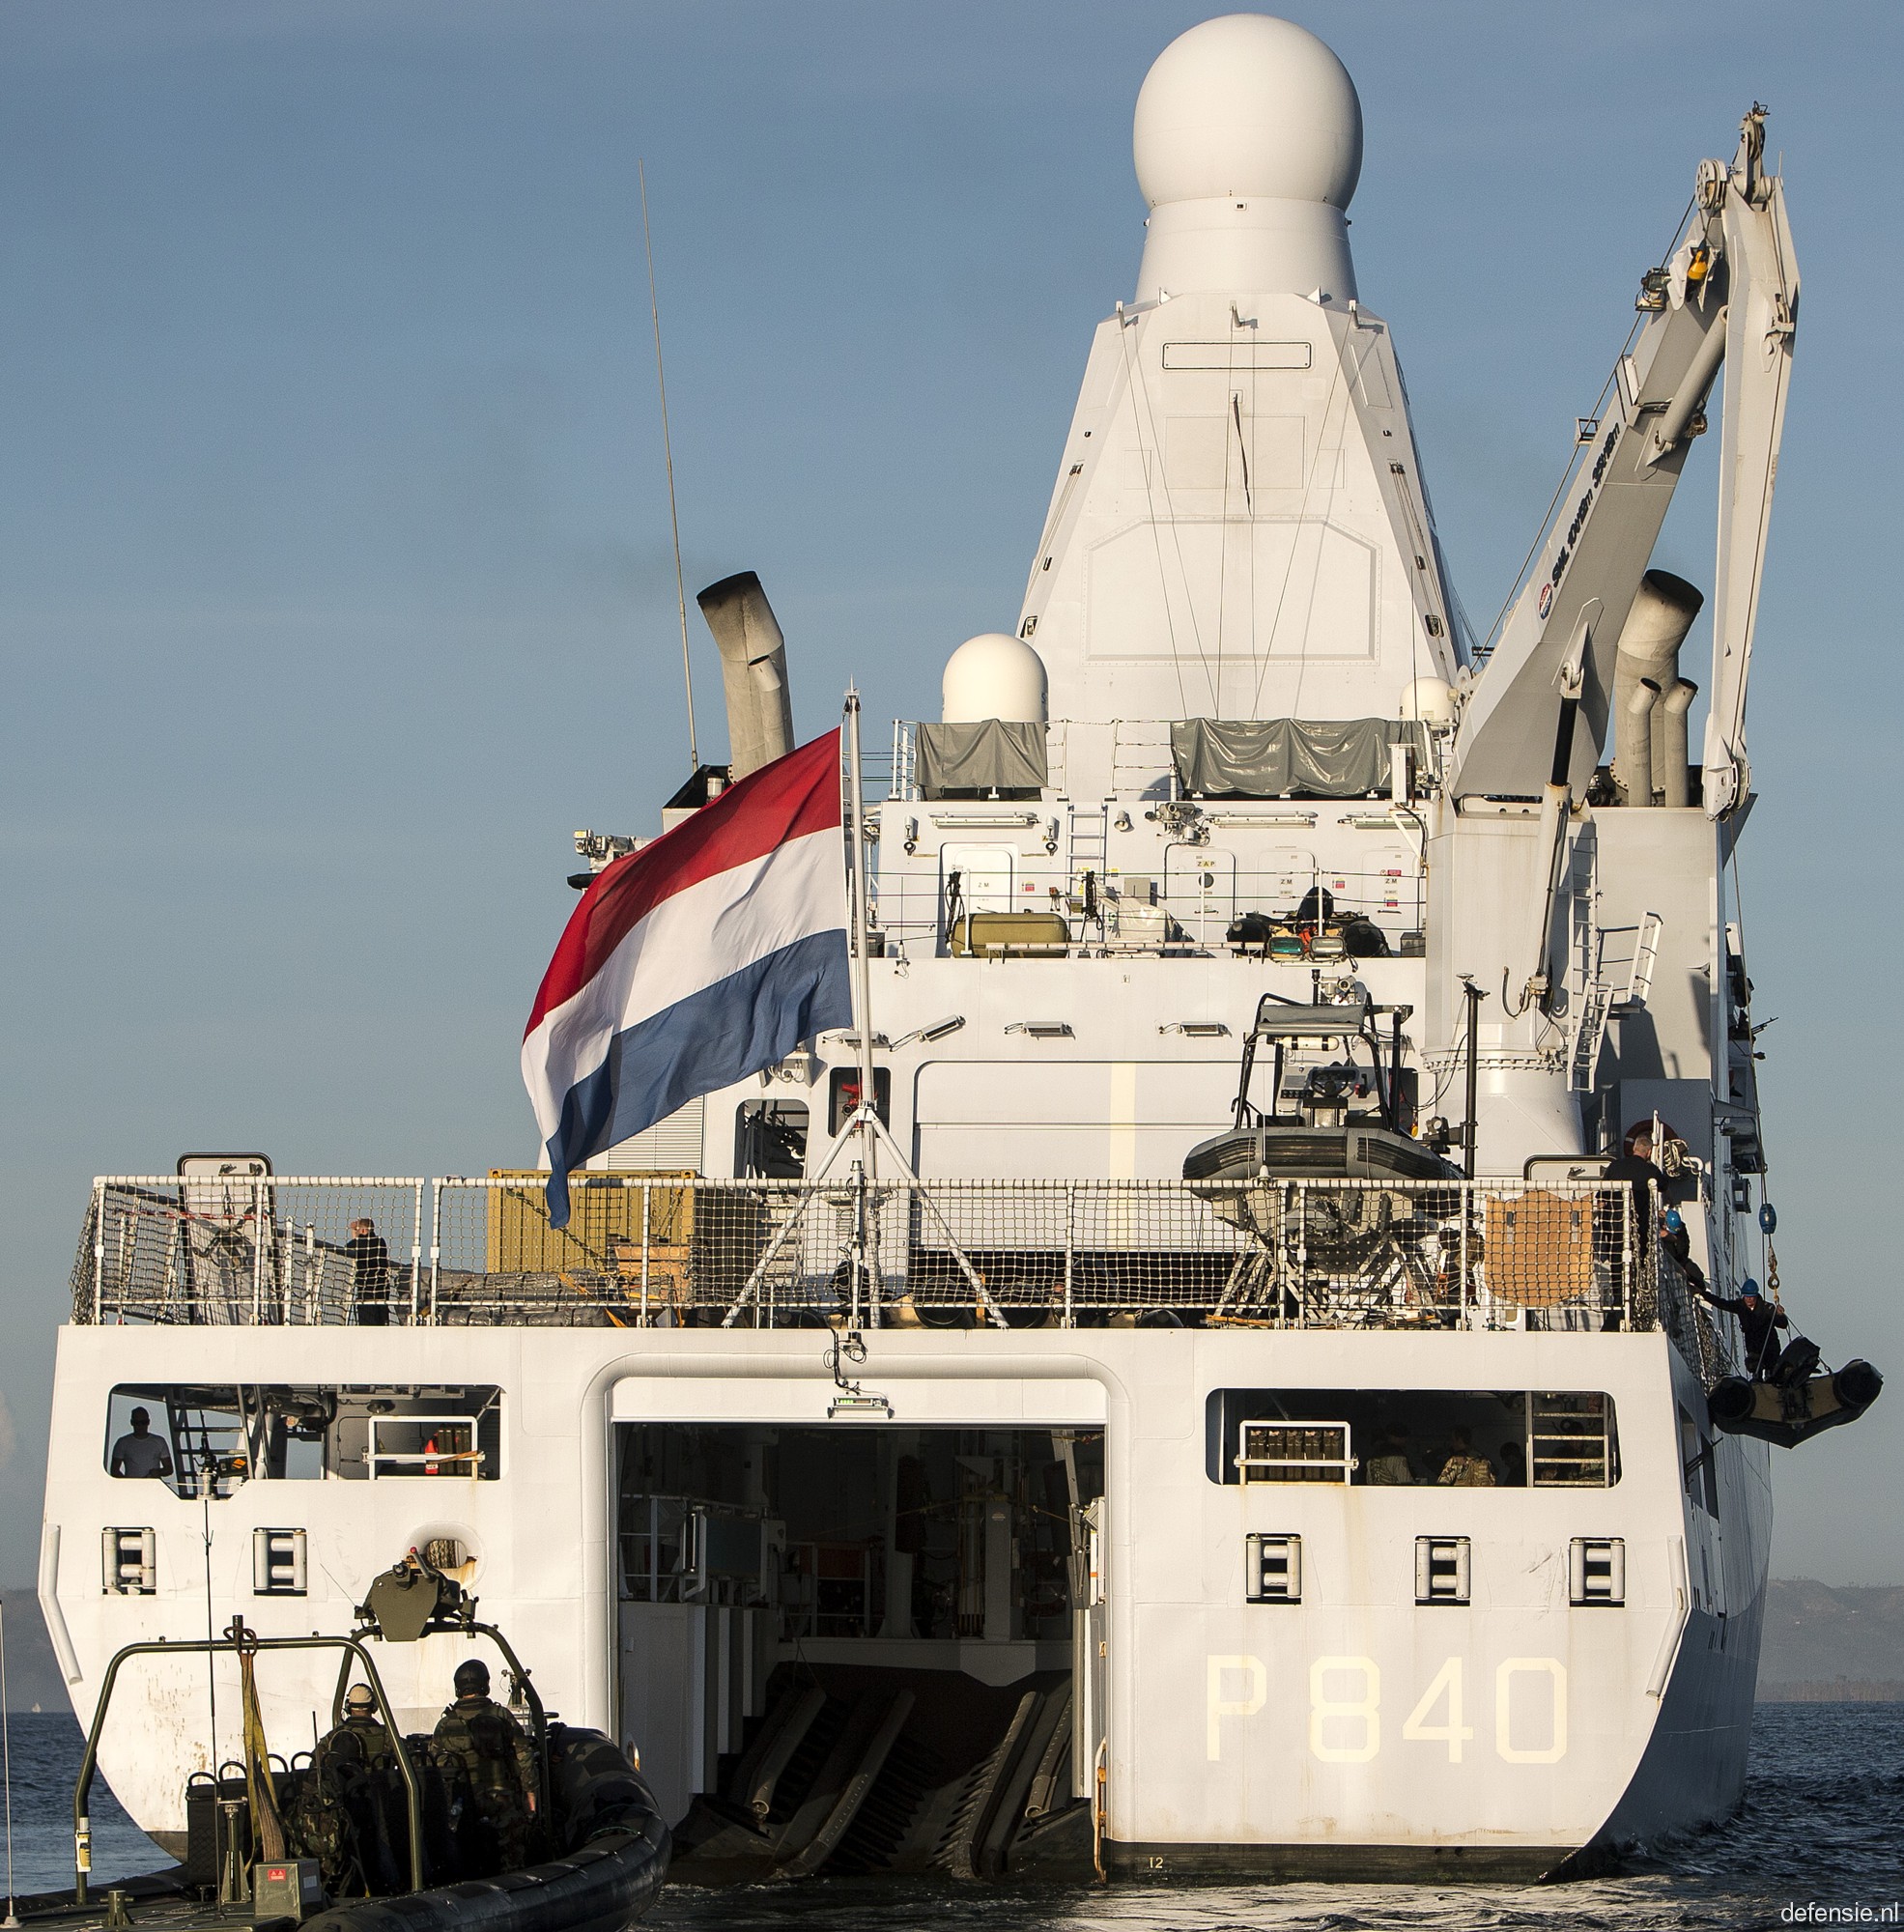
x=1822, y=1831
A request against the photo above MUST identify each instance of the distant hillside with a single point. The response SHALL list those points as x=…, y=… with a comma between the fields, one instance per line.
x=1823, y=1641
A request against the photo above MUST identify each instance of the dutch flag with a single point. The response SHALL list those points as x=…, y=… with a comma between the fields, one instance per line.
x=693, y=962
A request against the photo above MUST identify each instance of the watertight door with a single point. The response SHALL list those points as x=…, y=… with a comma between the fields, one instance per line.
x=1090, y=1649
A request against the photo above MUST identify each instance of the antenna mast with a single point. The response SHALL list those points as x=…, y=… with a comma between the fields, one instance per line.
x=667, y=454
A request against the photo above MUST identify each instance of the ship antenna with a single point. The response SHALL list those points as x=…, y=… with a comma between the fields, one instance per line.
x=667, y=457
x=6, y=1761
x=206, y=1479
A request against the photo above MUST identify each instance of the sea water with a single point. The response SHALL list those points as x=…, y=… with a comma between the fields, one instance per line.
x=1819, y=1840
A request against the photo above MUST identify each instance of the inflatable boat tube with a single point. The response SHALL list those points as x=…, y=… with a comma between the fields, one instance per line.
x=615, y=1858
x=1789, y=1416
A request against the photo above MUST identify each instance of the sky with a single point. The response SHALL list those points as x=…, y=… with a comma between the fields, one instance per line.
x=336, y=582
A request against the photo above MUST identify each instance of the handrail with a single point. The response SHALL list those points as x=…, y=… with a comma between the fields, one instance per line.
x=647, y=1249
x=239, y=1642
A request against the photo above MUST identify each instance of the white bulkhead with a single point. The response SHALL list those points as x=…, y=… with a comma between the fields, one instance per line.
x=1239, y=527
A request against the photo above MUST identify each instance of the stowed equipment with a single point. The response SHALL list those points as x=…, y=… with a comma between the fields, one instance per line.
x=1794, y=1403
x=486, y=1785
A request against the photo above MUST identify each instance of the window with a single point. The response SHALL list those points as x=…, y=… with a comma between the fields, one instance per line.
x=1466, y=1438
x=843, y=1095
x=770, y=1140
x=209, y=1440
x=1570, y=1445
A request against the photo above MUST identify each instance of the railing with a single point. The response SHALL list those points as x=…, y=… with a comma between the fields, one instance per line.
x=275, y=1250
x=645, y=1251
x=1188, y=905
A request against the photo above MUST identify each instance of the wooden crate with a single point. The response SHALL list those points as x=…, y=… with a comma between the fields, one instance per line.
x=604, y=1222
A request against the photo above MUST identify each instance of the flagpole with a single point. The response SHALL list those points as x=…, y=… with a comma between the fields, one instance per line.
x=862, y=968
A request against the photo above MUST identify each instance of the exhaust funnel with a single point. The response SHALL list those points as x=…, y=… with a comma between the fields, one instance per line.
x=752, y=671
x=1647, y=665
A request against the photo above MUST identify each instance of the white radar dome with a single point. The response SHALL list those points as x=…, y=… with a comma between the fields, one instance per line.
x=1247, y=105
x=993, y=675
x=1431, y=699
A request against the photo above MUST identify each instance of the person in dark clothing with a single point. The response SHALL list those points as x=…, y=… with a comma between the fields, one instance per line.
x=1614, y=1261
x=141, y=1453
x=370, y=1281
x=1759, y=1322
x=1675, y=1241
x=501, y=1766
x=1636, y=1165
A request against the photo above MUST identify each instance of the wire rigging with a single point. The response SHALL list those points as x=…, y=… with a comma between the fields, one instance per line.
x=667, y=457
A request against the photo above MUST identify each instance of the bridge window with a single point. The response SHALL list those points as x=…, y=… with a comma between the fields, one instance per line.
x=843, y=1095
x=770, y=1140
x=209, y=1439
x=1469, y=1439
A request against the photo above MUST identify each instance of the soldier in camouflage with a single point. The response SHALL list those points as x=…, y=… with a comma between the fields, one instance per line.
x=334, y=1813
x=502, y=1770
x=363, y=1726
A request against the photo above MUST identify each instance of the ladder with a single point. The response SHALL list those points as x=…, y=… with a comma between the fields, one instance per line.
x=1583, y=974
x=1091, y=844
x=1645, y=956
x=1587, y=1042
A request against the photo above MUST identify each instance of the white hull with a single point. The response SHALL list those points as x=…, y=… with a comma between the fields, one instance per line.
x=1575, y=1726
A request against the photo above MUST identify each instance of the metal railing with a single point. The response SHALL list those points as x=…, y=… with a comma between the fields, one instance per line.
x=276, y=1250
x=1186, y=906
x=646, y=1250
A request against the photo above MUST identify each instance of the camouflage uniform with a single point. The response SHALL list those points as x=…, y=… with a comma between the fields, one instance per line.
x=500, y=1766
x=333, y=1816
x=367, y=1737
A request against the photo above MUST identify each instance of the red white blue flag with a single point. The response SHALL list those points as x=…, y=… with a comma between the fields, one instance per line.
x=689, y=964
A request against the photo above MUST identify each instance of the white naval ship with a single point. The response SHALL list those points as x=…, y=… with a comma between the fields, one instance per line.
x=1223, y=1421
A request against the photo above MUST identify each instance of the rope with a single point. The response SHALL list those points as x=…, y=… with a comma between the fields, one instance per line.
x=259, y=1786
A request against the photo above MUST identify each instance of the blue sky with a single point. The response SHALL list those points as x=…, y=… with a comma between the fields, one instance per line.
x=334, y=583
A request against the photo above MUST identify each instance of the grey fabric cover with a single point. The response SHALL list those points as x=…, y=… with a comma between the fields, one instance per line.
x=993, y=756
x=1271, y=757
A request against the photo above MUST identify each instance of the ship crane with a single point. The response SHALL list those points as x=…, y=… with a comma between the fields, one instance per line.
x=1727, y=294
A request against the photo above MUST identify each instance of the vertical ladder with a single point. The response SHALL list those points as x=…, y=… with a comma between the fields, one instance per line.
x=1583, y=974
x=1587, y=1042
x=1091, y=844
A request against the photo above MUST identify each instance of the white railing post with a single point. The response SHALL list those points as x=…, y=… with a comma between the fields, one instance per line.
x=1466, y=1224
x=647, y=1190
x=1483, y=1310
x=436, y=1243
x=127, y=1255
x=98, y=1252
x=1279, y=1257
x=257, y=1252
x=1070, y=1248
x=1302, y=1254
x=416, y=1252
x=1627, y=1234
x=859, y=1256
